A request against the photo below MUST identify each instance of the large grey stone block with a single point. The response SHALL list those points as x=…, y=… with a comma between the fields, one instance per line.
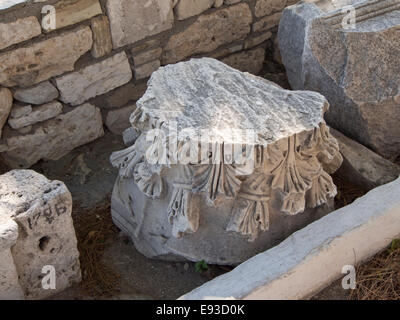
x=355, y=66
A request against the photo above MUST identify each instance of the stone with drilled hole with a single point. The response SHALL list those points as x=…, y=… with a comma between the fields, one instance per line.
x=46, y=242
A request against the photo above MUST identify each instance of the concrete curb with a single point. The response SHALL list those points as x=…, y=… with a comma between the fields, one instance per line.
x=313, y=257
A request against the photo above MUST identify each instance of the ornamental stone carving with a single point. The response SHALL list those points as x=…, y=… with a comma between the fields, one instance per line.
x=226, y=165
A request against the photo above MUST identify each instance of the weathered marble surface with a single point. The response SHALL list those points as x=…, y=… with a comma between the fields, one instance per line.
x=42, y=210
x=227, y=210
x=356, y=69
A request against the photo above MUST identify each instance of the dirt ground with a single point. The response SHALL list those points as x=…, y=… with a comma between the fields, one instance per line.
x=89, y=176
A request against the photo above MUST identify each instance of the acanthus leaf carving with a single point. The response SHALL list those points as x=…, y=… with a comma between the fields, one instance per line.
x=217, y=178
x=294, y=176
x=325, y=147
x=181, y=215
x=148, y=180
x=322, y=188
x=250, y=213
x=126, y=160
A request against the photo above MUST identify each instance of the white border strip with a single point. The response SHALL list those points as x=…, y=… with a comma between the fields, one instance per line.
x=313, y=257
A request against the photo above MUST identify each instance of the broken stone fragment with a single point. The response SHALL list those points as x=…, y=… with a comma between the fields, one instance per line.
x=222, y=157
x=39, y=94
x=129, y=136
x=6, y=101
x=54, y=138
x=38, y=114
x=324, y=50
x=365, y=167
x=42, y=209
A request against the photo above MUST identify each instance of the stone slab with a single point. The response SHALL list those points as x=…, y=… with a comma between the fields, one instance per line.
x=363, y=166
x=102, y=42
x=322, y=52
x=93, y=80
x=38, y=114
x=312, y=258
x=69, y=12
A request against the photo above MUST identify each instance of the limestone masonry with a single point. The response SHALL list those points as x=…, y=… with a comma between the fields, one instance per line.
x=102, y=52
x=36, y=230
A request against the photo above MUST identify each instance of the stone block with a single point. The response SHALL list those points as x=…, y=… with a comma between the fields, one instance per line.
x=38, y=114
x=145, y=70
x=42, y=60
x=39, y=94
x=132, y=21
x=323, y=50
x=93, y=80
x=209, y=32
x=189, y=8
x=42, y=209
x=250, y=61
x=18, y=31
x=10, y=289
x=257, y=157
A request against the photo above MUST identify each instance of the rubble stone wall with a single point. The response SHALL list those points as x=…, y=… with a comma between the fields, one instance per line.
x=69, y=66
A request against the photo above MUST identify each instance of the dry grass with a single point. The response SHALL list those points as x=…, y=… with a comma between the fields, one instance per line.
x=94, y=228
x=379, y=279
